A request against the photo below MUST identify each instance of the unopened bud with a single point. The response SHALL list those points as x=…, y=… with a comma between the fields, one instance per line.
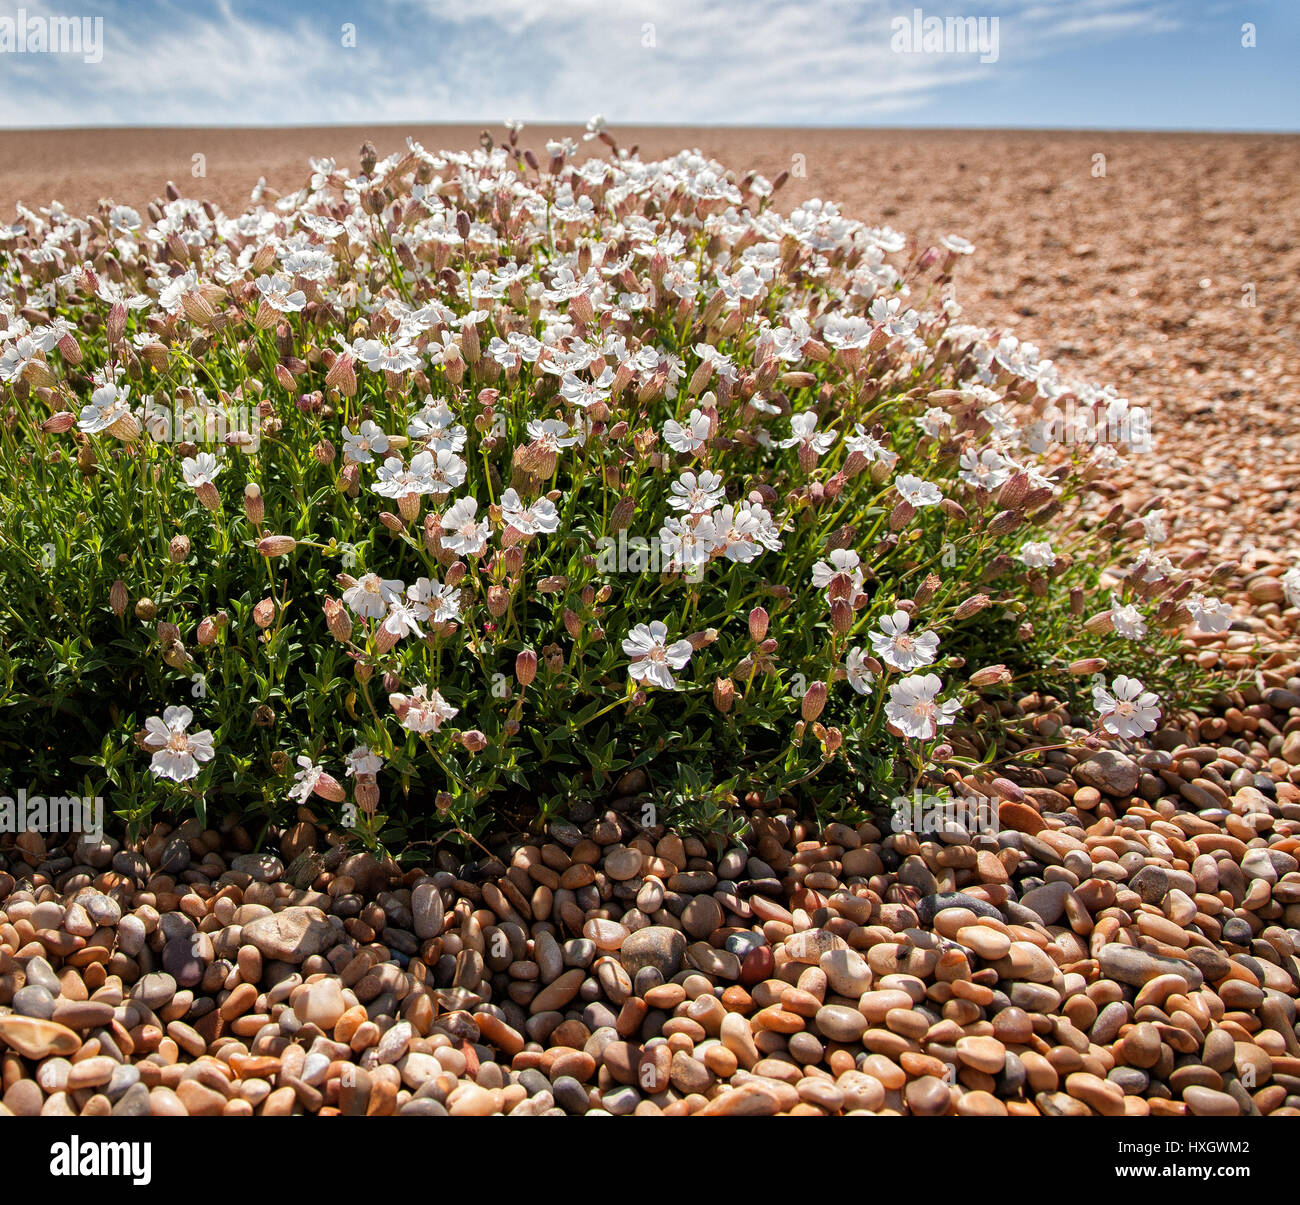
x=146, y=609
x=276, y=545
x=758, y=621
x=724, y=694
x=473, y=740
x=525, y=667
x=264, y=613
x=813, y=701
x=117, y=598
x=990, y=675
x=1086, y=666
x=178, y=548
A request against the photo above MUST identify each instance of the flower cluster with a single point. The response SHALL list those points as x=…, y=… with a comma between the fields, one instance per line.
x=470, y=373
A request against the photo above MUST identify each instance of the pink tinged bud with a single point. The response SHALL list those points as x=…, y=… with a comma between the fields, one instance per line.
x=833, y=740
x=942, y=753
x=338, y=620
x=115, y=327
x=208, y=631
x=724, y=694
x=526, y=667
x=325, y=452
x=117, y=598
x=264, y=613
x=328, y=787
x=901, y=515
x=408, y=505
x=368, y=794
x=757, y=624
x=178, y=549
x=498, y=601
x=972, y=606
x=254, y=507
x=572, y=624
x=990, y=675
x=1087, y=665
x=456, y=573
x=841, y=617
x=813, y=701
x=473, y=740
x=70, y=349
x=57, y=424
x=343, y=375
x=276, y=545
x=385, y=640
x=207, y=494
x=391, y=521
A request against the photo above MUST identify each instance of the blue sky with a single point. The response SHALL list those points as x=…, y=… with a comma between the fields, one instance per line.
x=1144, y=64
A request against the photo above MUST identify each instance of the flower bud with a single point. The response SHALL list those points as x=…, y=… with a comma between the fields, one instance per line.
x=758, y=621
x=1086, y=666
x=391, y=521
x=276, y=545
x=207, y=494
x=338, y=620
x=254, y=507
x=57, y=424
x=813, y=701
x=367, y=792
x=342, y=375
x=990, y=675
x=328, y=787
x=498, y=601
x=724, y=694
x=972, y=606
x=841, y=617
x=572, y=624
x=264, y=613
x=473, y=740
x=525, y=667
x=146, y=609
x=117, y=598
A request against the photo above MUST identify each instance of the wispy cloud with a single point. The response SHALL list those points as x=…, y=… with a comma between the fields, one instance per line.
x=827, y=62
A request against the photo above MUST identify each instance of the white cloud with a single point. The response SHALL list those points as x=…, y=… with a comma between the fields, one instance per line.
x=774, y=62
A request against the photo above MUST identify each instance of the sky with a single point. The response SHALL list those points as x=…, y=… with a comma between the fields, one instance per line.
x=1109, y=64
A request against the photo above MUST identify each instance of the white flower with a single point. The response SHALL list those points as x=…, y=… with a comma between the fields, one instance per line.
x=1036, y=554
x=423, y=710
x=178, y=753
x=439, y=470
x=1208, y=614
x=697, y=495
x=804, y=434
x=200, y=470
x=917, y=492
x=359, y=445
x=461, y=533
x=371, y=596
x=440, y=602
x=898, y=648
x=278, y=292
x=913, y=710
x=689, y=438
x=404, y=618
x=686, y=543
x=934, y=422
x=842, y=563
x=305, y=780
x=653, y=659
x=855, y=669
x=1125, y=710
x=362, y=761
x=987, y=470
x=108, y=405
x=540, y=515
x=956, y=244
x=870, y=447
x=1127, y=620
x=1153, y=526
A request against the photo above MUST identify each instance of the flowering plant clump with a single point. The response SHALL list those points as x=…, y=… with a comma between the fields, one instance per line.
x=471, y=482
